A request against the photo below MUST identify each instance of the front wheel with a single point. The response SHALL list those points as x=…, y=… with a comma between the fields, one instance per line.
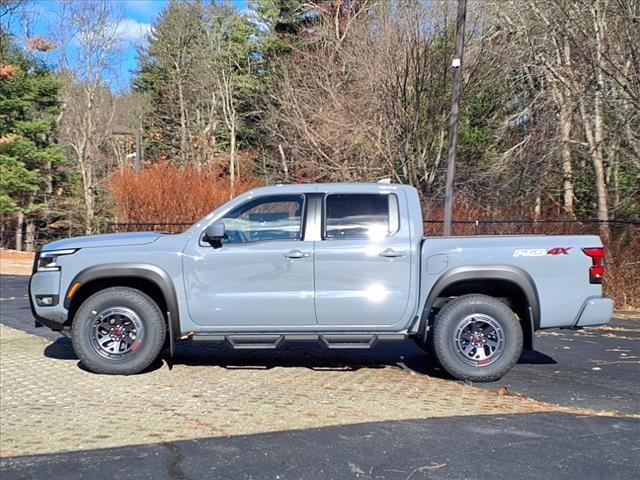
x=476, y=338
x=118, y=331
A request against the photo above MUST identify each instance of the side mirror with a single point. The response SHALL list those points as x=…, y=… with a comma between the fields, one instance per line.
x=214, y=234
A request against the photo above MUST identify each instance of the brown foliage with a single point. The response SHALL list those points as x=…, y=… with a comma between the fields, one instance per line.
x=622, y=248
x=622, y=273
x=39, y=44
x=8, y=138
x=165, y=193
x=7, y=72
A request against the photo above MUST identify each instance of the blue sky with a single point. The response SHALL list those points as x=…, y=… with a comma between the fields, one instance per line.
x=138, y=16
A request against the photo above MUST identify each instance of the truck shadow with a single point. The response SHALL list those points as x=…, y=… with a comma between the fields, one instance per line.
x=61, y=349
x=404, y=355
x=294, y=355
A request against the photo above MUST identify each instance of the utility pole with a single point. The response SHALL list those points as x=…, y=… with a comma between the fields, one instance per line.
x=453, y=118
x=138, y=160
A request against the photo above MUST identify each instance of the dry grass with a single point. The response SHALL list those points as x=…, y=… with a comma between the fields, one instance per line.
x=15, y=263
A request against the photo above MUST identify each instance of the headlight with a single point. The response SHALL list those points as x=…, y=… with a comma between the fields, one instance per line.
x=48, y=261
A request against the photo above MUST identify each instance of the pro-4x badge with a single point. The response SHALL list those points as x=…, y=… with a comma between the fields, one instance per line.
x=541, y=252
x=559, y=251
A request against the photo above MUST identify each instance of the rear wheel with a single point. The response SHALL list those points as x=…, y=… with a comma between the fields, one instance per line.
x=476, y=338
x=118, y=331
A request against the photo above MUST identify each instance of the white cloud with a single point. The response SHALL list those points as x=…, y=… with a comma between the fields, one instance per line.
x=145, y=6
x=131, y=30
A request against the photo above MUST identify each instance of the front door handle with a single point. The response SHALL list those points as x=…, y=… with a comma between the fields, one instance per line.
x=391, y=253
x=295, y=253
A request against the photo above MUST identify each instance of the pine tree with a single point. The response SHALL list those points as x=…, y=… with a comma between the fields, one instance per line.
x=198, y=71
x=28, y=155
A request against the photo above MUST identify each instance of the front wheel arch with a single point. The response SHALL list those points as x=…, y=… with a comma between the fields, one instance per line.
x=118, y=331
x=149, y=279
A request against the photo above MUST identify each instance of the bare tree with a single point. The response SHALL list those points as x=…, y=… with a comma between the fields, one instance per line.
x=578, y=47
x=369, y=99
x=230, y=53
x=88, y=35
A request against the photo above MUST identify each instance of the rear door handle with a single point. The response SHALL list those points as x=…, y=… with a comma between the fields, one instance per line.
x=295, y=253
x=391, y=253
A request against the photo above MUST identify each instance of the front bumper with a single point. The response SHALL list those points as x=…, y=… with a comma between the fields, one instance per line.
x=46, y=284
x=595, y=311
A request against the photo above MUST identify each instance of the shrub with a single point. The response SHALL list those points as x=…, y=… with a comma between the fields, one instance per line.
x=622, y=273
x=622, y=248
x=166, y=193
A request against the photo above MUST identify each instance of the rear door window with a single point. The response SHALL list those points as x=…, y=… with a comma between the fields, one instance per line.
x=360, y=216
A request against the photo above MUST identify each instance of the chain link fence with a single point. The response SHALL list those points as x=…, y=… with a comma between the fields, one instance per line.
x=173, y=227
x=530, y=227
x=622, y=280
x=617, y=228
x=434, y=227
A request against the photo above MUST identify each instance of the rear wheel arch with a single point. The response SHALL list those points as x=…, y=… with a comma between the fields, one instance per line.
x=512, y=285
x=149, y=279
x=477, y=338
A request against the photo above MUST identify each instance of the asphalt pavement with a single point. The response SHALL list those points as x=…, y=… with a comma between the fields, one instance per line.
x=14, y=306
x=529, y=446
x=596, y=369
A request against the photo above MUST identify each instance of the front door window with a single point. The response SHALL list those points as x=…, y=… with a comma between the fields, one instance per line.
x=270, y=218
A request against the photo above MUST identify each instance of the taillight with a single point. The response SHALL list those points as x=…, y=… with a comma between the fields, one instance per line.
x=596, y=272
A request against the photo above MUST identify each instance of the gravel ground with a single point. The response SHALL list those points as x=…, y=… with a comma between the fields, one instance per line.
x=48, y=403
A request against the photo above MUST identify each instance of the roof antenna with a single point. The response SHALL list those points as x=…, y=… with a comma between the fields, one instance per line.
x=384, y=180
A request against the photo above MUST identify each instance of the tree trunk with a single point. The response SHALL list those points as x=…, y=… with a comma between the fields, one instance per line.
x=598, y=168
x=285, y=168
x=89, y=201
x=537, y=207
x=562, y=96
x=567, y=170
x=48, y=180
x=183, y=125
x=616, y=183
x=593, y=133
x=30, y=239
x=19, y=226
x=598, y=128
x=89, y=209
x=232, y=157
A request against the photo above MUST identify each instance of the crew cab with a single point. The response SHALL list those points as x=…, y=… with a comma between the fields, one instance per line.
x=343, y=264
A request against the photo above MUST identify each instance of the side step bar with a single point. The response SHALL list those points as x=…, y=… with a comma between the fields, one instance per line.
x=348, y=341
x=240, y=341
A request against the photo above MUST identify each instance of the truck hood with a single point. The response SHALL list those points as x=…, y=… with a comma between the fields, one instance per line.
x=108, y=240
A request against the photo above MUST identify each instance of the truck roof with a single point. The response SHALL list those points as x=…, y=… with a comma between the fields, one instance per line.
x=329, y=187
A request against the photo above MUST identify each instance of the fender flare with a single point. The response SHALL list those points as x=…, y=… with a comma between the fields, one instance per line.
x=509, y=273
x=144, y=271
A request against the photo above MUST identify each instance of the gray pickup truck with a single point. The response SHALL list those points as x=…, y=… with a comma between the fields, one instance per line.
x=343, y=264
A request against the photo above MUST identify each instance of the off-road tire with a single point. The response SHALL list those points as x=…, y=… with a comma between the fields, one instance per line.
x=444, y=331
x=149, y=314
